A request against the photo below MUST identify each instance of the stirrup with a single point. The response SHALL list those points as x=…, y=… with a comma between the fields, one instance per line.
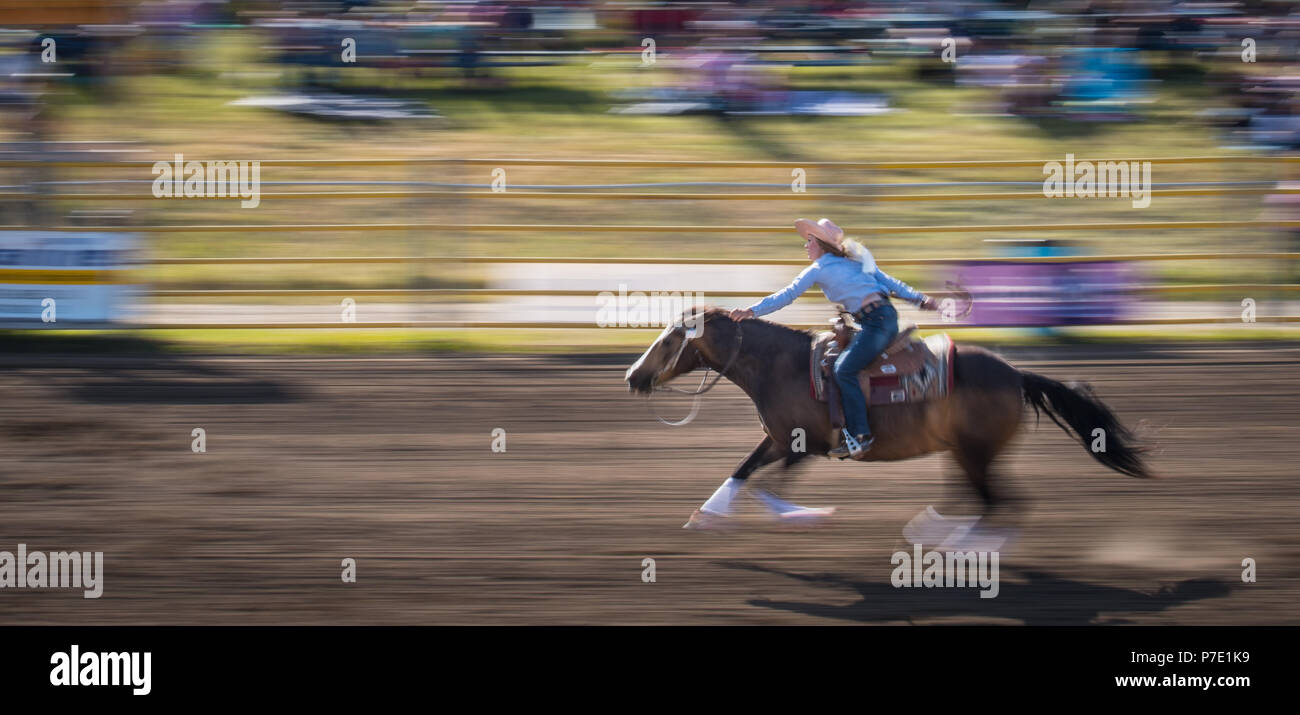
x=851, y=447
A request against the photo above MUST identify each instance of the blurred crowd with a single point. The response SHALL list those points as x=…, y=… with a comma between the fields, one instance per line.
x=1073, y=59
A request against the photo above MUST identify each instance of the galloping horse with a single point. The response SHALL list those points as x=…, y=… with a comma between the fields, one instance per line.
x=974, y=422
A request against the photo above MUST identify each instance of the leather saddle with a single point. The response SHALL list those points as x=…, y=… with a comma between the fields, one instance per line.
x=911, y=368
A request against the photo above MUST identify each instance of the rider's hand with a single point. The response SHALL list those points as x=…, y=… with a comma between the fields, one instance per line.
x=741, y=313
x=929, y=304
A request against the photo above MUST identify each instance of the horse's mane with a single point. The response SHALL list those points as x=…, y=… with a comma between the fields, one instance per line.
x=776, y=329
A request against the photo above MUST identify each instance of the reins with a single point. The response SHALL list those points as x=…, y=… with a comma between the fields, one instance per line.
x=697, y=392
x=957, y=290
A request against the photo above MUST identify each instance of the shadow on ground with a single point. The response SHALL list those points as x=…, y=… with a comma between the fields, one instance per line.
x=128, y=370
x=1036, y=599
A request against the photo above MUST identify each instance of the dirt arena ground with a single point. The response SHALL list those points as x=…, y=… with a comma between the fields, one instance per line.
x=389, y=461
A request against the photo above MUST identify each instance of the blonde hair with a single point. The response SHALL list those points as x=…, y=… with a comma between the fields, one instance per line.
x=828, y=248
x=859, y=253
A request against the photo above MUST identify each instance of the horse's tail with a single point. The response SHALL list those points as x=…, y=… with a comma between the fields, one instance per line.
x=1084, y=413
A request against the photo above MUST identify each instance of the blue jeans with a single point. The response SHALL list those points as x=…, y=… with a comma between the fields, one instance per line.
x=879, y=328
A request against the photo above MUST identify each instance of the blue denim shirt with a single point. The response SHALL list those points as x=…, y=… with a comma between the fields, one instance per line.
x=842, y=280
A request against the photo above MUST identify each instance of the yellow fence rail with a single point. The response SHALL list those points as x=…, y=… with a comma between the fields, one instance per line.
x=517, y=292
x=619, y=195
x=667, y=163
x=609, y=228
x=648, y=260
x=457, y=324
x=641, y=195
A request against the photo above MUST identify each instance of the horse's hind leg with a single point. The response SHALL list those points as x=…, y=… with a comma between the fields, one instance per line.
x=976, y=460
x=983, y=422
x=997, y=526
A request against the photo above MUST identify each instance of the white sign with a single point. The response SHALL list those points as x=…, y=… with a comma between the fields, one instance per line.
x=67, y=276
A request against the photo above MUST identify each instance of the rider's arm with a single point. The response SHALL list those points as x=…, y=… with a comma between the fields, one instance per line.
x=780, y=299
x=899, y=288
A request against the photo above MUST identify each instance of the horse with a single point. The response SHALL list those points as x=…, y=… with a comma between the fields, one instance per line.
x=974, y=422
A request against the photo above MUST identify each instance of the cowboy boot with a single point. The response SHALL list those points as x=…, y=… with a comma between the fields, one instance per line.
x=851, y=446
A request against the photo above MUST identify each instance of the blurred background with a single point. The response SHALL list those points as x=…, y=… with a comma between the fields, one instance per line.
x=409, y=142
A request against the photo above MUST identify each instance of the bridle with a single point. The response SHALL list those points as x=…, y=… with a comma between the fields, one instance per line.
x=668, y=367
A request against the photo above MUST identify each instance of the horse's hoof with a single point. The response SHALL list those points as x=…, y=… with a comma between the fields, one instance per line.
x=983, y=538
x=702, y=520
x=806, y=515
x=931, y=527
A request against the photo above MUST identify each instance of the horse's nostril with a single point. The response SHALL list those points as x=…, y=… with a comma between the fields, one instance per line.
x=638, y=383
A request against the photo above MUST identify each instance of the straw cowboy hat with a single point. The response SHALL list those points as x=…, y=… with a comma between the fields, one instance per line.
x=828, y=233
x=824, y=230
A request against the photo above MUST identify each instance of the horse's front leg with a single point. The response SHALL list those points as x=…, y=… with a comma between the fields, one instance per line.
x=718, y=506
x=784, y=510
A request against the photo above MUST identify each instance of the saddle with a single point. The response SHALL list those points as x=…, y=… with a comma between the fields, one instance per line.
x=911, y=369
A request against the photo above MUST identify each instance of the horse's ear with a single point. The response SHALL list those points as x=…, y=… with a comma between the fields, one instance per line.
x=700, y=314
x=712, y=314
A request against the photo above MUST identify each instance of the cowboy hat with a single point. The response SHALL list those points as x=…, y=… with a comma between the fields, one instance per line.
x=828, y=233
x=824, y=230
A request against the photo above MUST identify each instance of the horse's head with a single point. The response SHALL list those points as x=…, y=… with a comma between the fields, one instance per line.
x=673, y=353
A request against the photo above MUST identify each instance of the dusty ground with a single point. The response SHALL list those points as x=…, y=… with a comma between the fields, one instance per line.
x=389, y=462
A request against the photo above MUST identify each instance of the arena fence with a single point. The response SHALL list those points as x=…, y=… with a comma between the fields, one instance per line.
x=610, y=228
x=653, y=229
x=673, y=163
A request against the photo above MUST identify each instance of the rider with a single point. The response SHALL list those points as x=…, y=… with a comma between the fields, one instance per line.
x=847, y=274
